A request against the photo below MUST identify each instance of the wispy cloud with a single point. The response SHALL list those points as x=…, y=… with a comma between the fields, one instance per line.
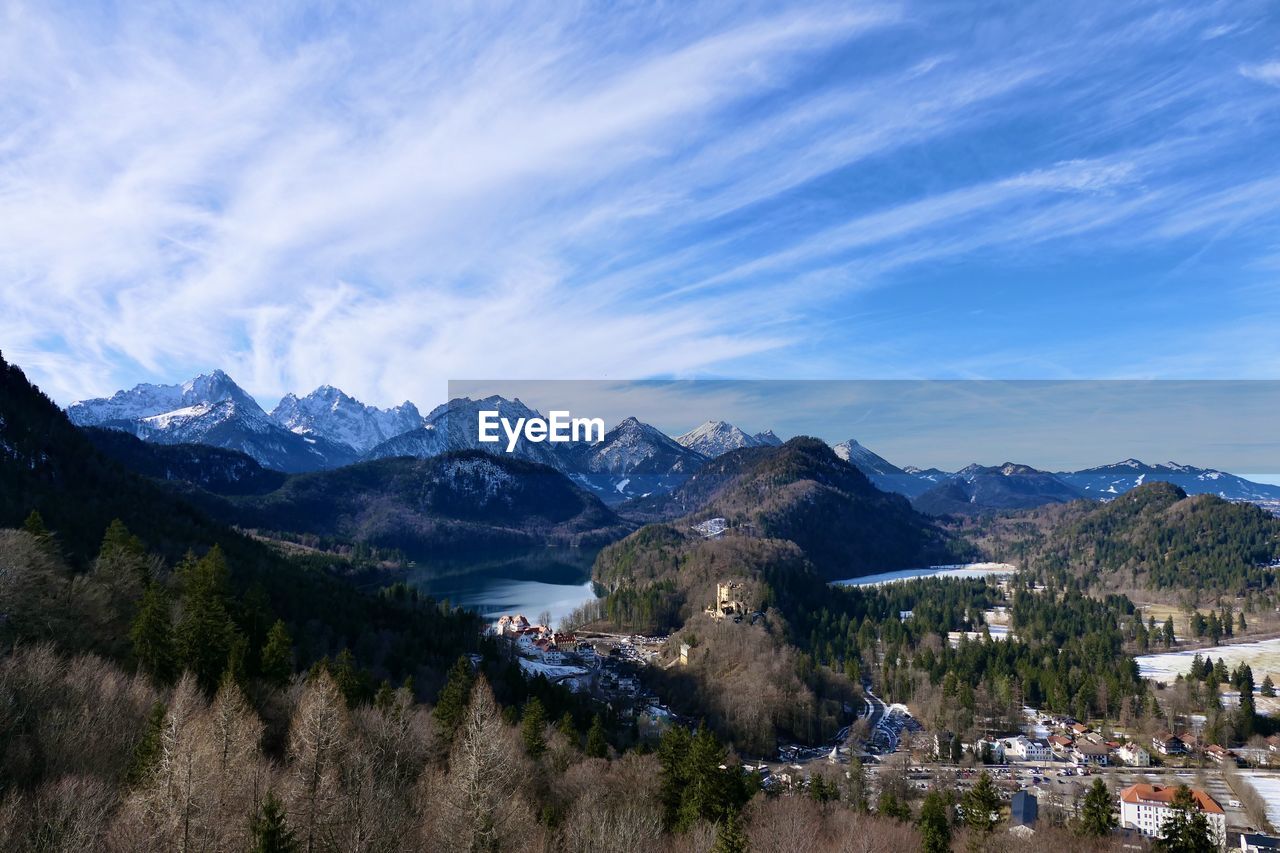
x=385, y=197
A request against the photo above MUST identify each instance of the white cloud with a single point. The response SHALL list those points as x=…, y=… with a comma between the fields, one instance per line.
x=1263, y=72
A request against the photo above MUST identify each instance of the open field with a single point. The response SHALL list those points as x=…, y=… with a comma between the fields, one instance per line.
x=1268, y=787
x=1263, y=656
x=964, y=570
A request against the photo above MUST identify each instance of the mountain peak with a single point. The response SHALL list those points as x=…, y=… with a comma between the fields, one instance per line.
x=714, y=438
x=333, y=414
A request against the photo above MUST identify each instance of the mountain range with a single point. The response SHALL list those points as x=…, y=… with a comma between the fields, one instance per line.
x=329, y=429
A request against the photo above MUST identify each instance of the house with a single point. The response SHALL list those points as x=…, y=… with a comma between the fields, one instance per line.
x=988, y=747
x=1079, y=729
x=1166, y=743
x=1273, y=743
x=1145, y=808
x=1191, y=742
x=1085, y=753
x=1134, y=755
x=1029, y=749
x=1060, y=745
x=1219, y=754
x=1023, y=809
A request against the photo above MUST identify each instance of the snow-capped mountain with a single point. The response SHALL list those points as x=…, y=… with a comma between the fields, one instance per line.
x=977, y=488
x=883, y=473
x=209, y=409
x=933, y=475
x=768, y=438
x=332, y=414
x=635, y=459
x=1107, y=481
x=146, y=401
x=865, y=460
x=455, y=426
x=716, y=437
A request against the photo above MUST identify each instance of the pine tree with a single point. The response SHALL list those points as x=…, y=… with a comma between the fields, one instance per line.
x=982, y=806
x=729, y=836
x=205, y=632
x=567, y=728
x=673, y=752
x=1186, y=829
x=1168, y=631
x=277, y=656
x=1268, y=687
x=270, y=832
x=597, y=744
x=34, y=525
x=935, y=824
x=533, y=725
x=888, y=805
x=347, y=675
x=152, y=635
x=451, y=706
x=147, y=751
x=1096, y=817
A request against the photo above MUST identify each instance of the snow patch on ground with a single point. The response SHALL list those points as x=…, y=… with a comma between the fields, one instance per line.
x=1268, y=787
x=961, y=570
x=1262, y=656
x=551, y=671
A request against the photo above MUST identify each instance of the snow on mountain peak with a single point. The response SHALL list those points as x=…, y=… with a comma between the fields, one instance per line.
x=331, y=413
x=714, y=438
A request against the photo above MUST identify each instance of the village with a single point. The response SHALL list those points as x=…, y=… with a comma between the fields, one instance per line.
x=1042, y=769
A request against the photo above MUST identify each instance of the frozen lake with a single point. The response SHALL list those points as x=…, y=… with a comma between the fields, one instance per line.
x=960, y=570
x=1262, y=656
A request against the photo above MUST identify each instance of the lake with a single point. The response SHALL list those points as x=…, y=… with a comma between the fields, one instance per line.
x=553, y=580
x=959, y=570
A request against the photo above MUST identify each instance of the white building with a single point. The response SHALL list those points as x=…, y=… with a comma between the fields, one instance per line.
x=1146, y=807
x=1134, y=755
x=1029, y=749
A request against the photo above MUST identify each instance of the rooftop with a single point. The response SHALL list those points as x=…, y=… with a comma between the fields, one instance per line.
x=1143, y=794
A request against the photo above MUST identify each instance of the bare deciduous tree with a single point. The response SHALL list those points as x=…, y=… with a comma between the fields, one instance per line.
x=318, y=737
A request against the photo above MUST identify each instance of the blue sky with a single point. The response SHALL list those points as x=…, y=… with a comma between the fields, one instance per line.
x=385, y=196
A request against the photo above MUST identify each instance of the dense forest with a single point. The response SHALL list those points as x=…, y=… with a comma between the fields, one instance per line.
x=1154, y=536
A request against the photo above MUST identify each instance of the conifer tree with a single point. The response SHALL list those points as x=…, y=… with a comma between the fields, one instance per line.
x=597, y=744
x=277, y=656
x=451, y=706
x=533, y=726
x=270, y=831
x=205, y=632
x=935, y=825
x=982, y=805
x=34, y=525
x=152, y=635
x=567, y=728
x=1096, y=816
x=147, y=751
x=729, y=836
x=1186, y=829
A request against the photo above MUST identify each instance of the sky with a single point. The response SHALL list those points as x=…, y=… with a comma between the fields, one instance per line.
x=385, y=196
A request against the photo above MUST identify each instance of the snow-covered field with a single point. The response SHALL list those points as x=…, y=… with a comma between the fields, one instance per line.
x=1263, y=658
x=536, y=667
x=962, y=570
x=1268, y=787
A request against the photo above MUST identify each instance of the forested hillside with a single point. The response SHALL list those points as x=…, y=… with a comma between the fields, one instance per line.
x=1154, y=536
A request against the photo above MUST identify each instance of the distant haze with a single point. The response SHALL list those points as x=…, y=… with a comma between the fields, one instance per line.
x=1052, y=425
